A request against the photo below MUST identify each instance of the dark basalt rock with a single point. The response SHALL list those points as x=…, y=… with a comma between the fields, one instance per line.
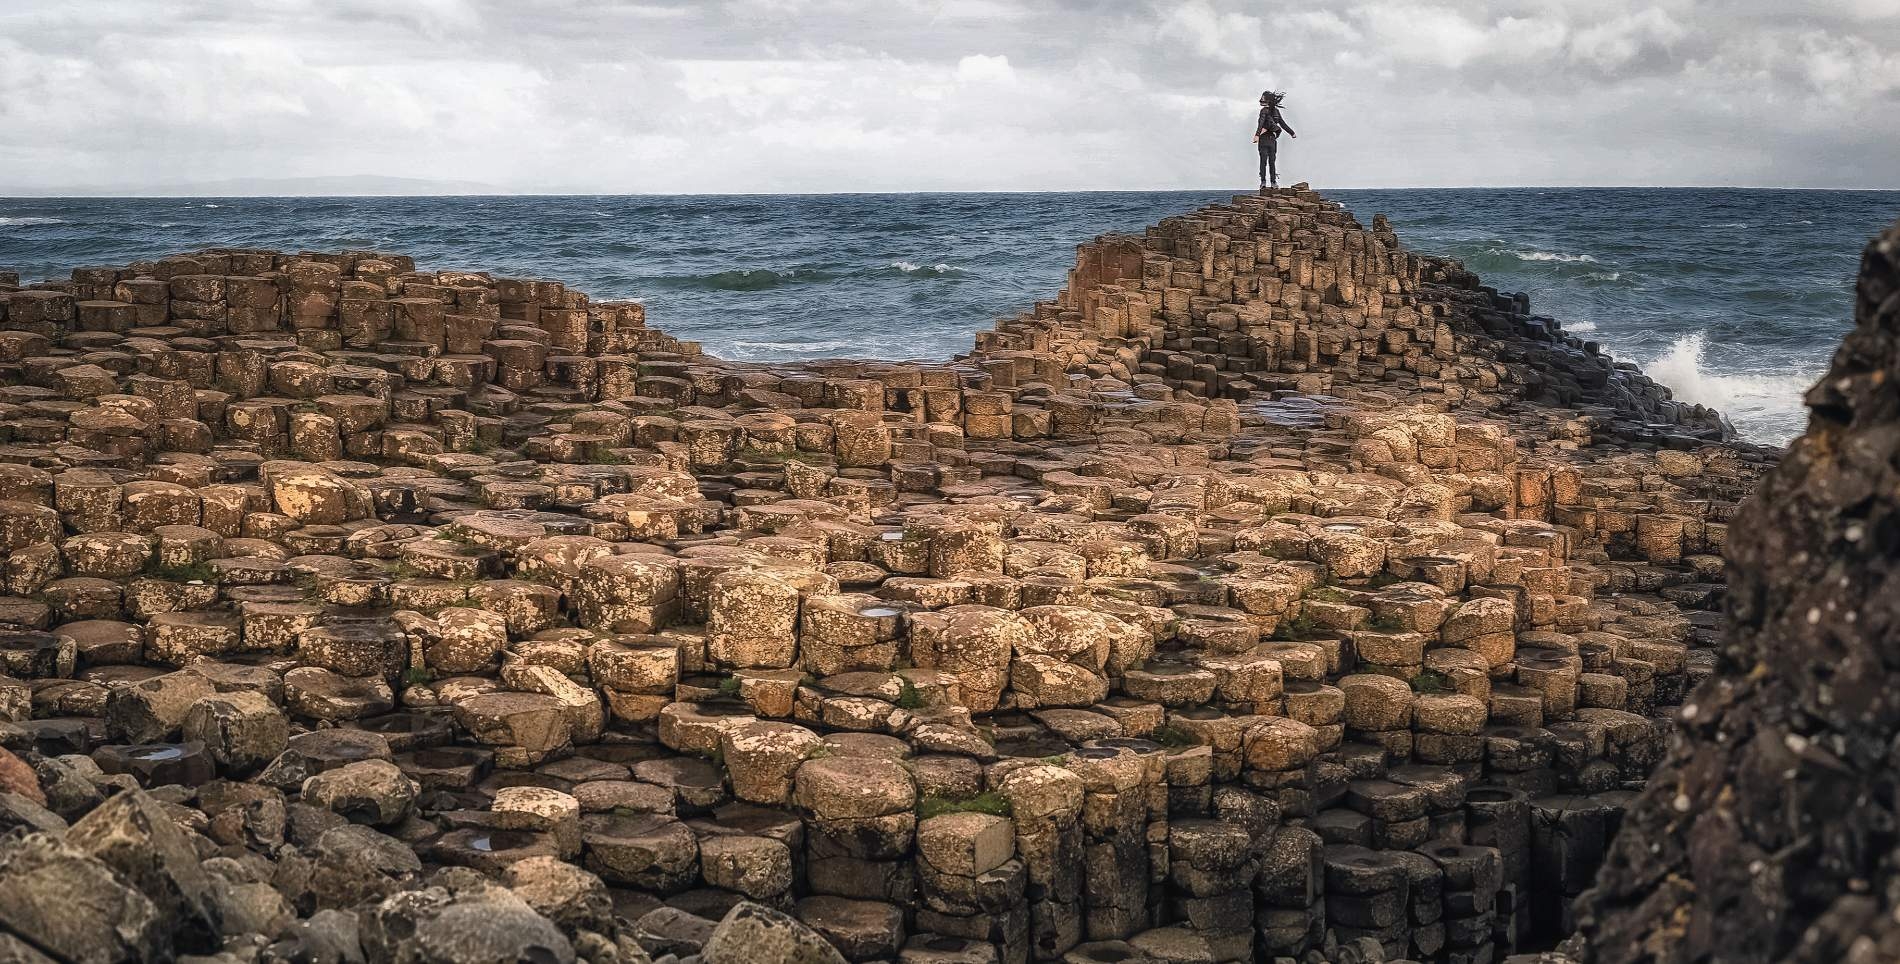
x=1768, y=834
x=751, y=932
x=132, y=834
x=66, y=904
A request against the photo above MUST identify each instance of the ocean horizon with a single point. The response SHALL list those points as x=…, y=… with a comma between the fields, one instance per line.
x=1733, y=297
x=190, y=192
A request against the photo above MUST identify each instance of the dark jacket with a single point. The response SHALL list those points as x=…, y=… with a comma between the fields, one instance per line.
x=1272, y=122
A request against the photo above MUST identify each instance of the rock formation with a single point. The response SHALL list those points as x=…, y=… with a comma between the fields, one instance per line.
x=1271, y=592
x=1768, y=834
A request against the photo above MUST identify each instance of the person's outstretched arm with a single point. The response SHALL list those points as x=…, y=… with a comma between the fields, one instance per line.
x=1286, y=126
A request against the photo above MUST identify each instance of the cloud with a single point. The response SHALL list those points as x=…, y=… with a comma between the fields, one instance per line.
x=812, y=95
x=980, y=68
x=1437, y=36
x=1617, y=43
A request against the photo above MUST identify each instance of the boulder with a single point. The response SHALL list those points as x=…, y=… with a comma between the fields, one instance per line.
x=242, y=730
x=568, y=895
x=312, y=495
x=758, y=867
x=975, y=643
x=133, y=834
x=374, y=792
x=154, y=709
x=69, y=904
x=308, y=754
x=346, y=866
x=17, y=778
x=753, y=933
x=478, y=925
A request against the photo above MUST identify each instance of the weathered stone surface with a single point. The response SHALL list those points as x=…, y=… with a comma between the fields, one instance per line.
x=752, y=932
x=375, y=792
x=472, y=923
x=565, y=894
x=846, y=788
x=132, y=834
x=67, y=903
x=758, y=867
x=763, y=756
x=1272, y=593
x=1761, y=836
x=154, y=709
x=242, y=730
x=17, y=778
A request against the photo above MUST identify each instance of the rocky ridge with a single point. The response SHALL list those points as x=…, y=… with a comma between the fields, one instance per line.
x=1767, y=834
x=1272, y=592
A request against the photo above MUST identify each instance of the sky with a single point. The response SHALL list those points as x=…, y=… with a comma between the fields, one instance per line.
x=739, y=96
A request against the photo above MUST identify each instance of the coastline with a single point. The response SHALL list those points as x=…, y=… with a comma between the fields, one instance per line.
x=1271, y=586
x=1765, y=282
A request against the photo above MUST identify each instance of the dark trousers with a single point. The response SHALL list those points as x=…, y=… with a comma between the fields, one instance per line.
x=1269, y=153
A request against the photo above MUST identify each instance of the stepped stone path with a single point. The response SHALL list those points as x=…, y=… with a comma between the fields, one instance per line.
x=1271, y=593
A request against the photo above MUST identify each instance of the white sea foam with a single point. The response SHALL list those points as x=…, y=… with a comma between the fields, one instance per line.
x=24, y=222
x=1764, y=406
x=211, y=205
x=912, y=267
x=1579, y=327
x=1546, y=256
x=1604, y=276
x=782, y=346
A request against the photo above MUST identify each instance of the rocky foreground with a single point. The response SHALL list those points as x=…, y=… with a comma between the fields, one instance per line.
x=1769, y=833
x=1273, y=592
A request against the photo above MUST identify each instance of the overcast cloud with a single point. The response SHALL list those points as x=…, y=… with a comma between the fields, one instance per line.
x=871, y=95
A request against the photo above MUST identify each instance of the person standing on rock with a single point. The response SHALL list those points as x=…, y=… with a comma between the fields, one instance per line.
x=1266, y=134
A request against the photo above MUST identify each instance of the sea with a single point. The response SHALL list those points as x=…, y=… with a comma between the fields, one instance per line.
x=1733, y=298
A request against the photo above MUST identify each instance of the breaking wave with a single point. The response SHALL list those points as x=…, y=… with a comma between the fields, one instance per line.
x=1556, y=256
x=1765, y=406
x=25, y=222
x=912, y=267
x=802, y=347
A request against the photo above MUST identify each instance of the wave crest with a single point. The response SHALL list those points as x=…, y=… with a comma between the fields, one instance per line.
x=911, y=267
x=1535, y=255
x=25, y=221
x=748, y=348
x=1763, y=406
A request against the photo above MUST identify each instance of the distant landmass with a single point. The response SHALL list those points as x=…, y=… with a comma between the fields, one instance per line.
x=348, y=185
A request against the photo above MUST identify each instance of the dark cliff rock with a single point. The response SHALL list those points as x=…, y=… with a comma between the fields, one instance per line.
x=1768, y=834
